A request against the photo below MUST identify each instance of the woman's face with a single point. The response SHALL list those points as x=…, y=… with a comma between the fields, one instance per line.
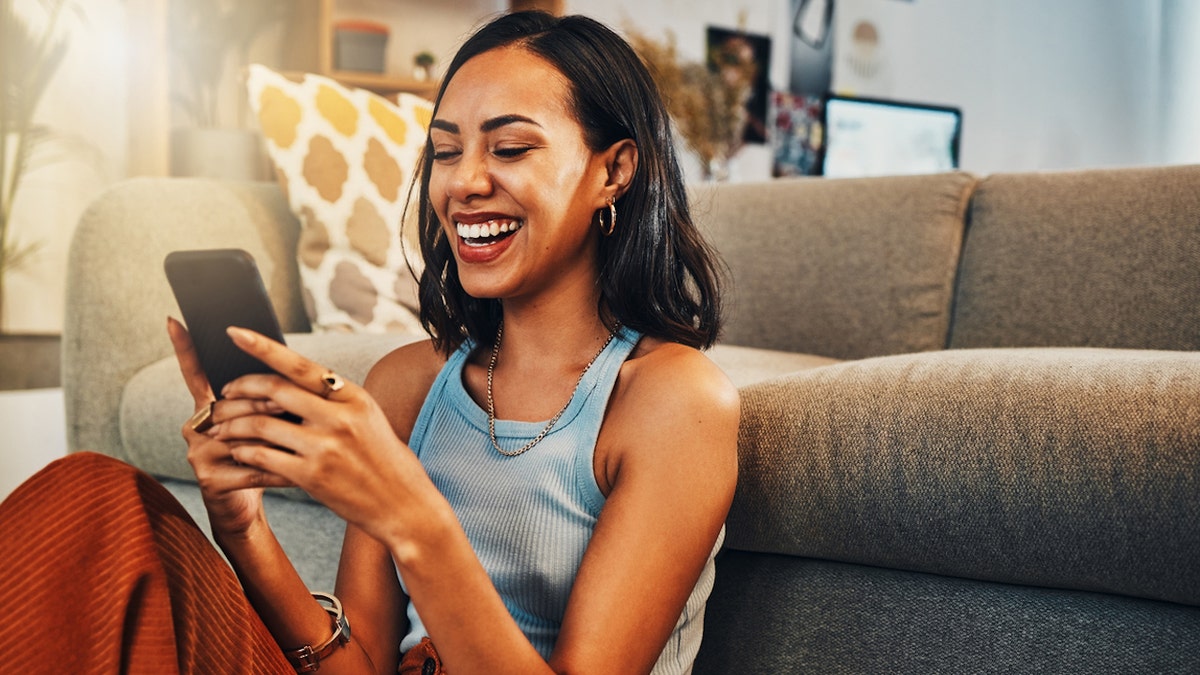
x=512, y=181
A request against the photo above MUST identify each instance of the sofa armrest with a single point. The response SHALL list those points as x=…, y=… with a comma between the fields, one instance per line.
x=1067, y=468
x=117, y=294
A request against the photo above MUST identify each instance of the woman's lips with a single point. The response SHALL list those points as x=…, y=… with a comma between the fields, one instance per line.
x=485, y=239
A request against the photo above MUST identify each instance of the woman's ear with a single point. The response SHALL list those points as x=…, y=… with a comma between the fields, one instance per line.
x=622, y=163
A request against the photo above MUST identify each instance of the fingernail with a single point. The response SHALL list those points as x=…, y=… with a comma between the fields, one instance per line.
x=240, y=335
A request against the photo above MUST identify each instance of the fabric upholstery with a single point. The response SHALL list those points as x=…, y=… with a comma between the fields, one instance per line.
x=785, y=614
x=346, y=158
x=1101, y=258
x=1052, y=467
x=747, y=365
x=839, y=268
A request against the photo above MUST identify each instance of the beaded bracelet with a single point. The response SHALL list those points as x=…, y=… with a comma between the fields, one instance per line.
x=308, y=658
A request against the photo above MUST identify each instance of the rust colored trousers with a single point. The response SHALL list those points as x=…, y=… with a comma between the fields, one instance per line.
x=102, y=571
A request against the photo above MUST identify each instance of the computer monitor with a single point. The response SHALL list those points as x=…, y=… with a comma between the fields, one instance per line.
x=876, y=137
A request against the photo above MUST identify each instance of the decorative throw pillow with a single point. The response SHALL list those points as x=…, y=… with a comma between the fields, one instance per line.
x=346, y=158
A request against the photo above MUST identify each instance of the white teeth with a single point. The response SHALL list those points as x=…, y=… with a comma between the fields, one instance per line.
x=491, y=228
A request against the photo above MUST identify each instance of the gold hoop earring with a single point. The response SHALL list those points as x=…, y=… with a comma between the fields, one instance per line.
x=612, y=219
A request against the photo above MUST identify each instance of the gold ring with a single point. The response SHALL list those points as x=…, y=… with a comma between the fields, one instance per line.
x=202, y=420
x=331, y=382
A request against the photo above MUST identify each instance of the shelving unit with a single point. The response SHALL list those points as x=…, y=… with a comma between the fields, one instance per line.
x=311, y=43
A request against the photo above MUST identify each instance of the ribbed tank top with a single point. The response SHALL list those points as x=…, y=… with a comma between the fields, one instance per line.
x=530, y=517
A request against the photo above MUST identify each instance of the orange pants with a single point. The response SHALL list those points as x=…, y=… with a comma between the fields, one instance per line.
x=102, y=571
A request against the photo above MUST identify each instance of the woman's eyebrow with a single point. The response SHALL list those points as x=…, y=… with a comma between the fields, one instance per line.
x=504, y=120
x=488, y=125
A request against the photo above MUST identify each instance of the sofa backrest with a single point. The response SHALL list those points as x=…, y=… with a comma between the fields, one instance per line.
x=1096, y=258
x=841, y=268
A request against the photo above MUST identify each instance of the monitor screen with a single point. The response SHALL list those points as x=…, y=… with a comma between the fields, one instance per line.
x=874, y=137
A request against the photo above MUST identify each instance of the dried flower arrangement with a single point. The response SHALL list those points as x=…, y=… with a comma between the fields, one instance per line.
x=706, y=101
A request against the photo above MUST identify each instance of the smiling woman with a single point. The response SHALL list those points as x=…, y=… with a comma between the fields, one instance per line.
x=539, y=487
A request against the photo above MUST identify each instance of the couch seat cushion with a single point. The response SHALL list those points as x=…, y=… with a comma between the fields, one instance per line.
x=1068, y=467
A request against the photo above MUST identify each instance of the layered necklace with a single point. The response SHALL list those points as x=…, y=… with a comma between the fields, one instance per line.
x=491, y=403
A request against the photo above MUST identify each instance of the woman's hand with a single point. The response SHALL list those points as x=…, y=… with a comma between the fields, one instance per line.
x=344, y=453
x=232, y=492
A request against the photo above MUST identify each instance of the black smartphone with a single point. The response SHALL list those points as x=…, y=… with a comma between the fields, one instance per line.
x=215, y=289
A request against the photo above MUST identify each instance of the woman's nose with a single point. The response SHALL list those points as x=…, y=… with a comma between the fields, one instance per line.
x=470, y=177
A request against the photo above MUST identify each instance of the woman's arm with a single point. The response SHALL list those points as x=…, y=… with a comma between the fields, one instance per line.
x=367, y=583
x=667, y=458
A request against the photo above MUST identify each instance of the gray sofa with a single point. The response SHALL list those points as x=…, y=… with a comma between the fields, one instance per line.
x=971, y=408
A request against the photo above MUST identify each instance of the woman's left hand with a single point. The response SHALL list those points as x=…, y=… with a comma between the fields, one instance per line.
x=344, y=453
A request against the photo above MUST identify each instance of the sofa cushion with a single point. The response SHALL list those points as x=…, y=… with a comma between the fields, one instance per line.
x=747, y=365
x=1100, y=258
x=842, y=268
x=345, y=158
x=1069, y=468
x=155, y=403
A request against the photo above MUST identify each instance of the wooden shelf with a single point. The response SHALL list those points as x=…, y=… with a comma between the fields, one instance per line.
x=310, y=48
x=385, y=84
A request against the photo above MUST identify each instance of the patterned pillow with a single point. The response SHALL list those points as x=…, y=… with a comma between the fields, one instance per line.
x=345, y=158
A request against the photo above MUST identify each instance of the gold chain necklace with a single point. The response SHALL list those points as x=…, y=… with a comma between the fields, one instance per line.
x=491, y=403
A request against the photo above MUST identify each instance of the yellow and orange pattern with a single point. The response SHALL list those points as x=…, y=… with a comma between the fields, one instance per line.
x=346, y=158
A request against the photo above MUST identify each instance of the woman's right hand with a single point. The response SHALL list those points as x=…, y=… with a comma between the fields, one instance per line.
x=232, y=492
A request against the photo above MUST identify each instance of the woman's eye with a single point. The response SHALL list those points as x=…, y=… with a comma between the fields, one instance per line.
x=445, y=155
x=511, y=152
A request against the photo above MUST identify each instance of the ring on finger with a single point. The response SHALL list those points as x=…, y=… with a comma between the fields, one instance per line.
x=331, y=382
x=202, y=419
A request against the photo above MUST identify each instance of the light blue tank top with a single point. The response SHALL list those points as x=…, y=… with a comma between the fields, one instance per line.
x=530, y=517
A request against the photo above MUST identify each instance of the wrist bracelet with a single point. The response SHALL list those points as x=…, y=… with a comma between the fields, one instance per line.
x=308, y=658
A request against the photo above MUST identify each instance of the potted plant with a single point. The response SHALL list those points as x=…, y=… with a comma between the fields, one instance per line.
x=206, y=36
x=707, y=101
x=423, y=66
x=30, y=55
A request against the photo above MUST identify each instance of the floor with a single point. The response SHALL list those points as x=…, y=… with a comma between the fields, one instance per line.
x=32, y=434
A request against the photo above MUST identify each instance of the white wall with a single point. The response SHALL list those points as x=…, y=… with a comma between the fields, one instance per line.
x=1042, y=85
x=1180, y=122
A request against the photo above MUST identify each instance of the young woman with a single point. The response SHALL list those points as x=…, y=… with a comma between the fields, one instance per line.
x=542, y=486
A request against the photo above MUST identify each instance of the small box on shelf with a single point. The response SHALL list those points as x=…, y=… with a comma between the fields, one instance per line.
x=360, y=46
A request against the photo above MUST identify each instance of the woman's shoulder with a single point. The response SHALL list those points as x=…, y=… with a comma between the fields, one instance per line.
x=659, y=368
x=672, y=406
x=401, y=380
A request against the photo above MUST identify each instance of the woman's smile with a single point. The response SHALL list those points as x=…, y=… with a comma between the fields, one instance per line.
x=488, y=231
x=484, y=237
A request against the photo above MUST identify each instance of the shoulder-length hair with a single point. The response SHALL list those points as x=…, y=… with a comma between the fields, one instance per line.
x=657, y=274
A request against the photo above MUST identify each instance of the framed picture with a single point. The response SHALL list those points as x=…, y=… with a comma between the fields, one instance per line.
x=745, y=55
